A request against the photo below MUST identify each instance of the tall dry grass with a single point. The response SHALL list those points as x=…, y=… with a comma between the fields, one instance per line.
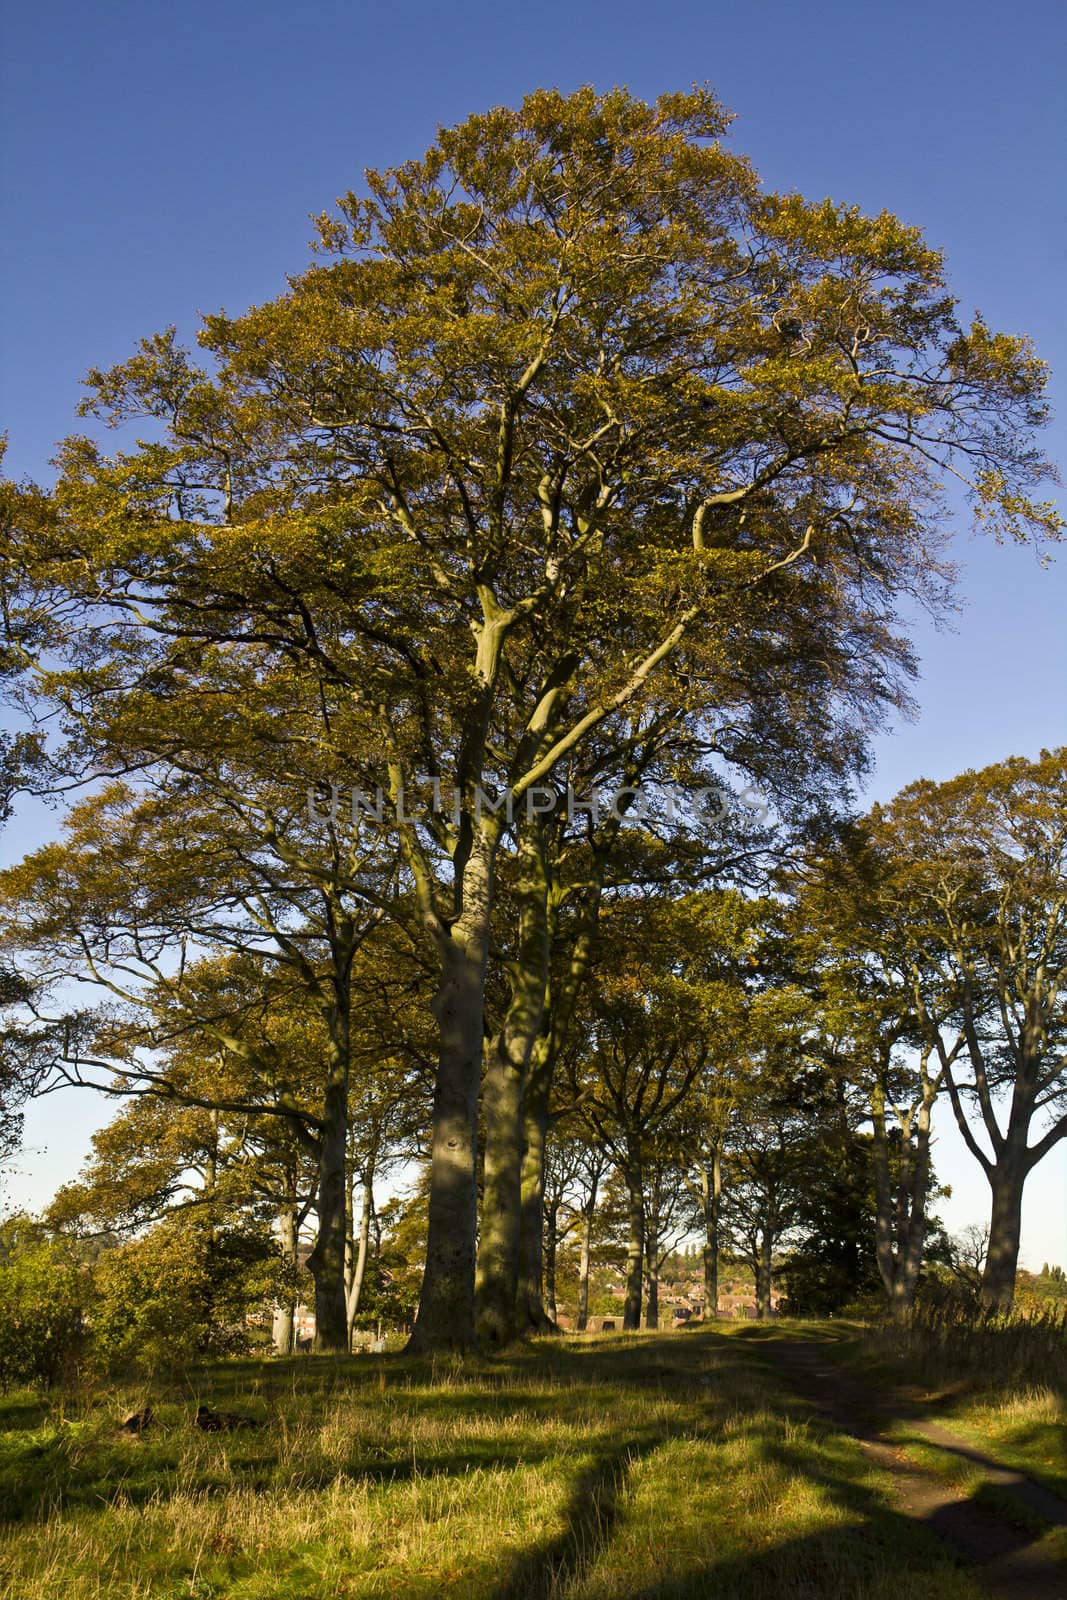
x=987, y=1349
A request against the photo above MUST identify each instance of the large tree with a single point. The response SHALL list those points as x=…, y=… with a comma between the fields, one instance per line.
x=939, y=926
x=984, y=869
x=574, y=408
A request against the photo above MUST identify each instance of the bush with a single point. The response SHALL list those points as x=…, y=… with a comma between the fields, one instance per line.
x=44, y=1295
x=186, y=1289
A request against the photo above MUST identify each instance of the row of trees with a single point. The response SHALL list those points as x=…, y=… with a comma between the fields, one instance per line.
x=579, y=466
x=759, y=1069
x=918, y=955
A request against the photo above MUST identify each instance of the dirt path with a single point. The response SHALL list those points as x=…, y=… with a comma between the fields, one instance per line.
x=1005, y=1556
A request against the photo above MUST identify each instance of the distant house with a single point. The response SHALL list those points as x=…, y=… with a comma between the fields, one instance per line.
x=741, y=1302
x=736, y=1298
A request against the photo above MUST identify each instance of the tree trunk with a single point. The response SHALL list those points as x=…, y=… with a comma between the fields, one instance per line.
x=358, y=1257
x=284, y=1321
x=635, y=1253
x=551, y=1247
x=497, y=1280
x=763, y=1275
x=283, y=1329
x=445, y=1319
x=326, y=1262
x=711, y=1194
x=532, y=1314
x=652, y=1273
x=1002, y=1258
x=1013, y=1157
x=914, y=1242
x=500, y=1244
x=884, y=1253
x=588, y=1218
x=900, y=1198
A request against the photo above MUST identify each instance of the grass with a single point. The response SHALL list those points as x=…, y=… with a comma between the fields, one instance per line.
x=980, y=1350
x=1027, y=1431
x=603, y=1468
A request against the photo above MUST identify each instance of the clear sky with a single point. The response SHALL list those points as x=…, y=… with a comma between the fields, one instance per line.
x=161, y=160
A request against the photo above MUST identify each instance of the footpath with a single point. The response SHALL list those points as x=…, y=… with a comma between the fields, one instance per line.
x=997, y=1540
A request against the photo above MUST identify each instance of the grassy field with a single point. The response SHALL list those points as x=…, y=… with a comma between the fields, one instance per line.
x=640, y=1468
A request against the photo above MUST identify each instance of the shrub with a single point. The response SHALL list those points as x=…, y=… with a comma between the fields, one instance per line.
x=45, y=1291
x=187, y=1288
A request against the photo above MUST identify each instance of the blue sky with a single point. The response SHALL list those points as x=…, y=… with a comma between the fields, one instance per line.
x=162, y=160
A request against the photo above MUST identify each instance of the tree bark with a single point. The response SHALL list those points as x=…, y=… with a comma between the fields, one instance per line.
x=652, y=1272
x=711, y=1194
x=358, y=1255
x=501, y=1243
x=588, y=1218
x=914, y=1240
x=885, y=1254
x=284, y=1321
x=1013, y=1159
x=1005, y=1222
x=901, y=1196
x=551, y=1248
x=763, y=1274
x=326, y=1262
x=497, y=1279
x=445, y=1319
x=533, y=1316
x=631, y=1314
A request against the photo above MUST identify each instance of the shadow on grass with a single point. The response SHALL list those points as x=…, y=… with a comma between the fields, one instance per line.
x=590, y=1516
x=874, y=1540
x=984, y=1526
x=23, y=1411
x=870, y=1549
x=64, y=1468
x=909, y=1400
x=42, y=1478
x=586, y=1380
x=883, y=1552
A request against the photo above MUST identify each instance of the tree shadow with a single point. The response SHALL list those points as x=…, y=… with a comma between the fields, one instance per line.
x=935, y=1532
x=865, y=1409
x=590, y=1516
x=63, y=1473
x=984, y=1527
x=553, y=1382
x=22, y=1412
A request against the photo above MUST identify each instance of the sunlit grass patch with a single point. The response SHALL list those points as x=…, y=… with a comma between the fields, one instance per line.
x=977, y=1389
x=1027, y=1431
